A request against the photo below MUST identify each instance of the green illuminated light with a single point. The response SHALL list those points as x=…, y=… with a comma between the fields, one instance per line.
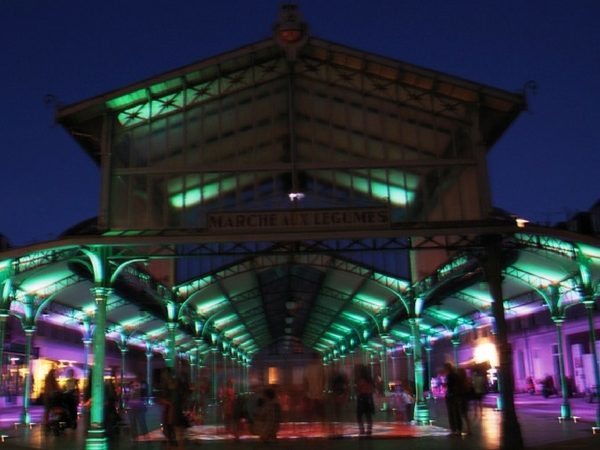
x=241, y=338
x=376, y=302
x=192, y=190
x=39, y=284
x=589, y=251
x=208, y=305
x=342, y=328
x=442, y=315
x=232, y=331
x=329, y=341
x=354, y=317
x=335, y=336
x=401, y=334
x=366, y=184
x=225, y=320
x=195, y=285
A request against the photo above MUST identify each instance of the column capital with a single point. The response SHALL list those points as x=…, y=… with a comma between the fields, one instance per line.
x=101, y=293
x=558, y=319
x=588, y=301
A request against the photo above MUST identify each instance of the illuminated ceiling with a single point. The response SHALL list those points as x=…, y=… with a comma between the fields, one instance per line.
x=307, y=297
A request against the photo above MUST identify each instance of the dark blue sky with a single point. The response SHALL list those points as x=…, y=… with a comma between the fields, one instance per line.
x=544, y=168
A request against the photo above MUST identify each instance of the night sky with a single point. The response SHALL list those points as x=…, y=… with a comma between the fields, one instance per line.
x=544, y=168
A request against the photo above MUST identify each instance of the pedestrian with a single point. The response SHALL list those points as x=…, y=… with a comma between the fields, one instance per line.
x=339, y=398
x=409, y=405
x=453, y=398
x=110, y=414
x=365, y=405
x=137, y=410
x=467, y=394
x=314, y=388
x=50, y=392
x=271, y=416
x=172, y=398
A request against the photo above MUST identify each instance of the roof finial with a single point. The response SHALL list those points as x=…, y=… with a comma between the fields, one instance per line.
x=290, y=32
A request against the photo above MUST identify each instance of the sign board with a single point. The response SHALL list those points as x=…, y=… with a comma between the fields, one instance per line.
x=297, y=219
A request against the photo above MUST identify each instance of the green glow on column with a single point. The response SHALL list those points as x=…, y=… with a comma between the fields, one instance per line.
x=96, y=436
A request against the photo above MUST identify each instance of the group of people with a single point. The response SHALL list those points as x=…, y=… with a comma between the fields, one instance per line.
x=403, y=402
x=172, y=395
x=461, y=390
x=265, y=416
x=64, y=397
x=265, y=419
x=315, y=388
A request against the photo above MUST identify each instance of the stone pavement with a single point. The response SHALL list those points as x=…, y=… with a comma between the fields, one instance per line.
x=539, y=421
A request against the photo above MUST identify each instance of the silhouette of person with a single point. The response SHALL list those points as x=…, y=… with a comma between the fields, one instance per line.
x=453, y=398
x=365, y=405
x=50, y=392
x=314, y=383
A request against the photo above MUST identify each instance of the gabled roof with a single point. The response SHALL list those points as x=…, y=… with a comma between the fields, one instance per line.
x=327, y=63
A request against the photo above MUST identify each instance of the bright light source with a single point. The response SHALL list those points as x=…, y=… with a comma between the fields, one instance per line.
x=521, y=222
x=296, y=196
x=486, y=352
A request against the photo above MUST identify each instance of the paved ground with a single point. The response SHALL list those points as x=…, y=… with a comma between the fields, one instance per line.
x=539, y=425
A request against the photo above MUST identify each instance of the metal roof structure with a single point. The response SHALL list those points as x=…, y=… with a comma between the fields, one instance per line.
x=386, y=228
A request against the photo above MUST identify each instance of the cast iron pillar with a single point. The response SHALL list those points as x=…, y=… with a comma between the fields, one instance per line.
x=25, y=416
x=421, y=415
x=149, y=381
x=96, y=435
x=428, y=348
x=171, y=360
x=565, y=407
x=589, y=305
x=511, y=437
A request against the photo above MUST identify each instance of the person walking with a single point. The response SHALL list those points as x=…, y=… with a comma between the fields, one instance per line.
x=270, y=416
x=467, y=394
x=137, y=410
x=365, y=405
x=50, y=392
x=453, y=398
x=172, y=398
x=314, y=385
x=340, y=396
